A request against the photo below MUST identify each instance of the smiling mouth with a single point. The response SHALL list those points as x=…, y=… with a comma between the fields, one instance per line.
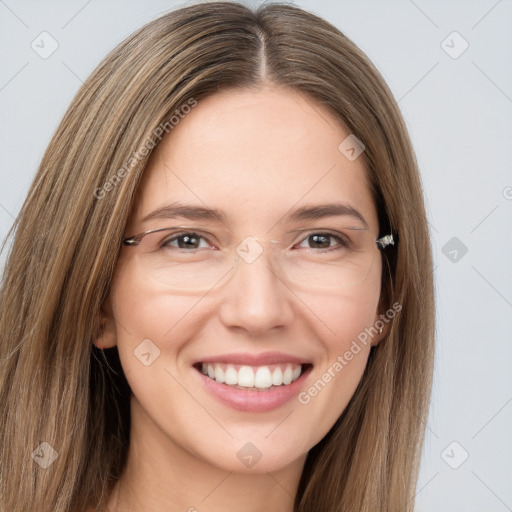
x=255, y=378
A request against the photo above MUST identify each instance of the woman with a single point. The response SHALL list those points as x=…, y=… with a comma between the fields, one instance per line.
x=206, y=305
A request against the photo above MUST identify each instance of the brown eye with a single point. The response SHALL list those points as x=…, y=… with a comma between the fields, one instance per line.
x=185, y=241
x=323, y=240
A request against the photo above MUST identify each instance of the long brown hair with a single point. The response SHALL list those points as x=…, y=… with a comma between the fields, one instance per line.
x=56, y=388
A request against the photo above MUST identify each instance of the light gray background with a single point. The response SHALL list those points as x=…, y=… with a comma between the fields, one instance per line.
x=459, y=113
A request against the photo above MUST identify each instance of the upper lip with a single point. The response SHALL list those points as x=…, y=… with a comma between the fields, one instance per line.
x=255, y=359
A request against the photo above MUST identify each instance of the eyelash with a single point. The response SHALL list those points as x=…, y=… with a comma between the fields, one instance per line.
x=342, y=243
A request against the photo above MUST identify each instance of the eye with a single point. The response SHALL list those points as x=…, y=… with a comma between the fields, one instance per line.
x=322, y=241
x=185, y=241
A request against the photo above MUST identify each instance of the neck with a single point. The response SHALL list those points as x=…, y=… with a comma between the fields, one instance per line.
x=160, y=475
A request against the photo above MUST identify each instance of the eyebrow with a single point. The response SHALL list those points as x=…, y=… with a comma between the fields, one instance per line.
x=314, y=212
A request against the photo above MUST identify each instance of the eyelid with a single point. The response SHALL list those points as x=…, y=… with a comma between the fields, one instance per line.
x=320, y=229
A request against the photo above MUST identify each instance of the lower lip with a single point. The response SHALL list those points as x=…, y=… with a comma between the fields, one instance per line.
x=252, y=400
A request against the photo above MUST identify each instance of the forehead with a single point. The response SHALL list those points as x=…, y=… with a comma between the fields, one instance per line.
x=254, y=154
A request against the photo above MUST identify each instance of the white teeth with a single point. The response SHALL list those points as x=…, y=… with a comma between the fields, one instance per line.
x=231, y=375
x=219, y=374
x=277, y=377
x=287, y=375
x=261, y=377
x=246, y=377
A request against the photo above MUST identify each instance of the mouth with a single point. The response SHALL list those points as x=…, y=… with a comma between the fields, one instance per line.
x=251, y=377
x=254, y=383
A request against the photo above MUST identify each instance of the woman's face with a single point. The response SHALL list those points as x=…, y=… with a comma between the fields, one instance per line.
x=257, y=156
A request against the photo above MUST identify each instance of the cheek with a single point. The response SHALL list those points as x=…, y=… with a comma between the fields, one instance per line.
x=343, y=316
x=345, y=328
x=150, y=321
x=152, y=329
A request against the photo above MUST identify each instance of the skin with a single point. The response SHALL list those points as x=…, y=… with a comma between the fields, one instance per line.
x=236, y=151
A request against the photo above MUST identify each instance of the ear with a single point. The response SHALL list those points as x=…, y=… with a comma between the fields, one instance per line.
x=381, y=323
x=107, y=335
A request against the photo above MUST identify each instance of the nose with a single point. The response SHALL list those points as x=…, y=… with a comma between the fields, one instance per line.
x=256, y=298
